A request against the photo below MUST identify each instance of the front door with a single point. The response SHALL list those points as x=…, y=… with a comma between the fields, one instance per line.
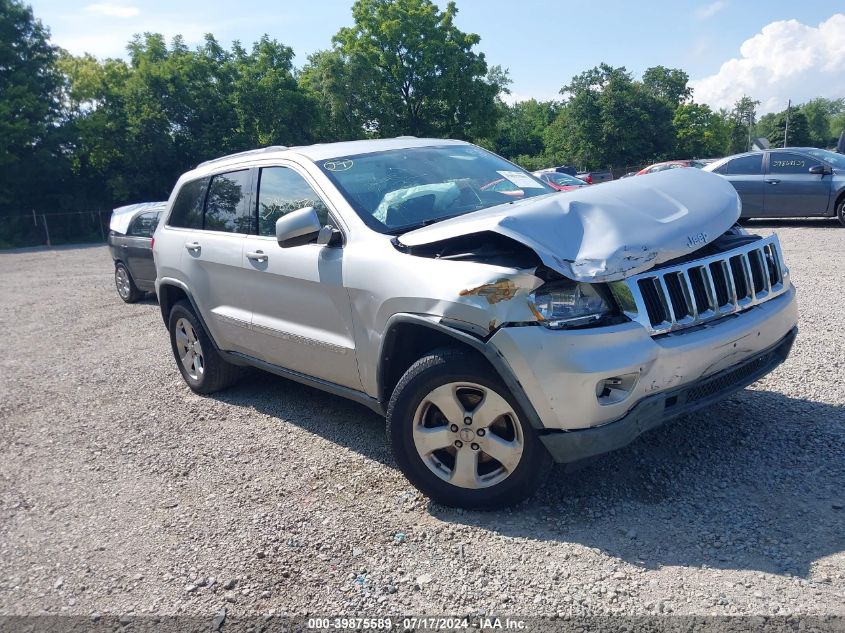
x=301, y=314
x=791, y=190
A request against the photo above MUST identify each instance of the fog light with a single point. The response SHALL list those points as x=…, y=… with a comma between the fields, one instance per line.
x=616, y=388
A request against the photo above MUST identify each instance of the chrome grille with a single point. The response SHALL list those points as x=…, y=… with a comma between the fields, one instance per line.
x=677, y=297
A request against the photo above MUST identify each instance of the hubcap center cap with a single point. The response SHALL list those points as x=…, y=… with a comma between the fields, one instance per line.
x=466, y=434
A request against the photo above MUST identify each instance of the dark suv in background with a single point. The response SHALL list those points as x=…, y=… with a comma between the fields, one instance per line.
x=787, y=183
x=131, y=231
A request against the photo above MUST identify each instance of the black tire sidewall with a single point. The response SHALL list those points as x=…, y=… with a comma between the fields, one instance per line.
x=840, y=212
x=424, y=376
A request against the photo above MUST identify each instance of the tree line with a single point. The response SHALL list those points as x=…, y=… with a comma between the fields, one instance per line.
x=77, y=132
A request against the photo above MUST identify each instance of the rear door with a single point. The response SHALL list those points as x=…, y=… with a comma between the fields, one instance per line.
x=211, y=259
x=746, y=175
x=138, y=253
x=301, y=314
x=791, y=190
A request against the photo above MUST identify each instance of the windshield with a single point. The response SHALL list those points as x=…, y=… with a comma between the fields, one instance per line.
x=565, y=180
x=399, y=190
x=837, y=160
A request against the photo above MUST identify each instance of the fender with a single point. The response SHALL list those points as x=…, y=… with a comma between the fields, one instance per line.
x=493, y=356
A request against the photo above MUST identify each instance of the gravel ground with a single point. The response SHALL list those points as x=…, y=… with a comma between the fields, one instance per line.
x=121, y=492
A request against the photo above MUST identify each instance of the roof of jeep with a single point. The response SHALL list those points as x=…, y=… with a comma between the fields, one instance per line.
x=323, y=151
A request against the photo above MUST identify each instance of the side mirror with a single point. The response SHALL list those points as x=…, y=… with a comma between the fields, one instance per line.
x=820, y=170
x=298, y=227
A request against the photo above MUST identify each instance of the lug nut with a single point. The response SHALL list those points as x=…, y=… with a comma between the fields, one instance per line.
x=458, y=443
x=480, y=432
x=467, y=420
x=474, y=446
x=454, y=428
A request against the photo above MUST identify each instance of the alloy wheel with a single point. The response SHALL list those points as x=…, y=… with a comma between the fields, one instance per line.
x=121, y=279
x=468, y=435
x=190, y=349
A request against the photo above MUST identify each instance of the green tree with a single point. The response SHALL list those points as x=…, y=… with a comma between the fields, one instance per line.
x=521, y=127
x=339, y=89
x=426, y=79
x=773, y=125
x=610, y=120
x=699, y=131
x=29, y=110
x=743, y=116
x=820, y=113
x=669, y=84
x=271, y=107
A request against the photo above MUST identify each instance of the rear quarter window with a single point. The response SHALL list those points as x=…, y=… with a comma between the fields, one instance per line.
x=187, y=208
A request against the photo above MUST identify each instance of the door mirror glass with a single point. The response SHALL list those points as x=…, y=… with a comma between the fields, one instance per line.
x=298, y=227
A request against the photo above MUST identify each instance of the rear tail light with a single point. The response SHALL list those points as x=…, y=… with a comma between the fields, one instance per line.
x=152, y=242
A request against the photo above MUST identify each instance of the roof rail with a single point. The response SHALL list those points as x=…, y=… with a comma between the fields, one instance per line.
x=406, y=136
x=249, y=152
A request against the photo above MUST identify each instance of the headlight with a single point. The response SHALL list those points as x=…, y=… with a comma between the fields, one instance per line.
x=567, y=304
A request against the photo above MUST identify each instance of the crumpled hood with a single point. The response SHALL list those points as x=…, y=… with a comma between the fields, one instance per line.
x=610, y=231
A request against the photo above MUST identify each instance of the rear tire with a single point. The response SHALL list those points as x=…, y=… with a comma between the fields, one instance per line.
x=201, y=365
x=460, y=437
x=840, y=211
x=126, y=288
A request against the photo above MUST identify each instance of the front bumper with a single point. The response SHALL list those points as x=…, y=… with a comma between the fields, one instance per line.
x=571, y=446
x=560, y=371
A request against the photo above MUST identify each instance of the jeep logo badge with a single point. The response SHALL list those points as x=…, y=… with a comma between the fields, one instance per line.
x=696, y=240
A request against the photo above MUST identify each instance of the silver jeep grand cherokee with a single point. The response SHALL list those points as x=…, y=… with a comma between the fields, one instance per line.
x=498, y=324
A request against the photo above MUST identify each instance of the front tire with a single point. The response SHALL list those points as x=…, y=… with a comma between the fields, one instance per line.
x=126, y=288
x=840, y=211
x=199, y=362
x=459, y=436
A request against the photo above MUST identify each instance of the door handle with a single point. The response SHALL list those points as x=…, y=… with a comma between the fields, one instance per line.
x=772, y=181
x=257, y=256
x=193, y=247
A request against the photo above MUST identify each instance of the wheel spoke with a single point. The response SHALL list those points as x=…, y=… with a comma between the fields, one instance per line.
x=181, y=339
x=429, y=440
x=445, y=398
x=490, y=409
x=465, y=473
x=507, y=453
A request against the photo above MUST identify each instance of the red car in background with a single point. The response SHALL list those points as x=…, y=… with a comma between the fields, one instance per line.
x=671, y=164
x=559, y=181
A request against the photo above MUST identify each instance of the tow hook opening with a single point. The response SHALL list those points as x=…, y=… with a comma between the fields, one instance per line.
x=616, y=388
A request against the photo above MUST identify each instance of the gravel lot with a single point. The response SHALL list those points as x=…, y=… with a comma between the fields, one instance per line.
x=123, y=492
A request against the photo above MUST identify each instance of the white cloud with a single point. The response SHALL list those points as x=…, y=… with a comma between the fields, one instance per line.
x=709, y=10
x=785, y=60
x=113, y=10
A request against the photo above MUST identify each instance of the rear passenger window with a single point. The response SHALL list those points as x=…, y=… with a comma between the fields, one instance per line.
x=143, y=225
x=280, y=191
x=750, y=165
x=227, y=205
x=187, y=208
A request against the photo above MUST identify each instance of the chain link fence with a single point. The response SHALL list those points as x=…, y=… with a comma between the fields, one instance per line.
x=51, y=229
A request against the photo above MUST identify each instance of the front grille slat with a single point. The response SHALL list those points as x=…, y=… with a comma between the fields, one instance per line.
x=686, y=295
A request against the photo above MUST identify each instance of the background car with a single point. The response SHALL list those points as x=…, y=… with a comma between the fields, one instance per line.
x=131, y=245
x=671, y=164
x=595, y=177
x=787, y=183
x=560, y=181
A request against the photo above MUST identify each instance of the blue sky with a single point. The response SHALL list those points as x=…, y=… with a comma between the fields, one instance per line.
x=772, y=48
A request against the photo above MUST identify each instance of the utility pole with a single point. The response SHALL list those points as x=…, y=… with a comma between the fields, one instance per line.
x=786, y=127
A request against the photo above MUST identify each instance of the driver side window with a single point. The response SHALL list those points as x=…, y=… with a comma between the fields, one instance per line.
x=280, y=191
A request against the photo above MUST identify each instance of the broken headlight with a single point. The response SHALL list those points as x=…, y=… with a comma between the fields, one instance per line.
x=567, y=304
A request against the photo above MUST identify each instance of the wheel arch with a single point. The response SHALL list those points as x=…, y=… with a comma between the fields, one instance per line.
x=408, y=337
x=169, y=292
